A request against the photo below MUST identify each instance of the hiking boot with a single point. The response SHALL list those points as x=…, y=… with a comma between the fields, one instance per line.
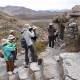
x=10, y=73
x=26, y=66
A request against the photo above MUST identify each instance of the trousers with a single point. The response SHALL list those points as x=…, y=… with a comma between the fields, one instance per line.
x=34, y=59
x=9, y=65
x=51, y=41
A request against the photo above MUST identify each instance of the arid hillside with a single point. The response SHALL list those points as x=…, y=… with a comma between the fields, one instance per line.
x=8, y=22
x=26, y=13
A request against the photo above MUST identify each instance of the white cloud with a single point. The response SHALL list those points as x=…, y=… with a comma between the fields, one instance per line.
x=41, y=4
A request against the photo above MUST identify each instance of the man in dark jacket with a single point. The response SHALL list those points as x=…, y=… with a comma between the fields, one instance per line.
x=51, y=31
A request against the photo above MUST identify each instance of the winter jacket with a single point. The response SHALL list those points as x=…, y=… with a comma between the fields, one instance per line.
x=27, y=36
x=7, y=51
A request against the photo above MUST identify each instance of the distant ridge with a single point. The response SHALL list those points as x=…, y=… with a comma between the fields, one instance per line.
x=15, y=10
x=63, y=10
x=28, y=14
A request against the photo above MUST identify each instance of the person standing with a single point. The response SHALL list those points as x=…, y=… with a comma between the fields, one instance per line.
x=62, y=27
x=34, y=39
x=51, y=37
x=26, y=34
x=8, y=56
x=11, y=42
x=12, y=32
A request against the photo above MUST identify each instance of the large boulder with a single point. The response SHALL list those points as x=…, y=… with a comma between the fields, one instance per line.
x=70, y=66
x=76, y=8
x=61, y=18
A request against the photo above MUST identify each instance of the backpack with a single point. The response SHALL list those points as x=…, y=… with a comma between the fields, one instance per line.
x=23, y=43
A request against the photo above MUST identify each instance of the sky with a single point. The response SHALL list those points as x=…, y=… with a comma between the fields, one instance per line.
x=41, y=4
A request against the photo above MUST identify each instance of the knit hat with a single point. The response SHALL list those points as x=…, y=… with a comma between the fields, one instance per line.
x=10, y=37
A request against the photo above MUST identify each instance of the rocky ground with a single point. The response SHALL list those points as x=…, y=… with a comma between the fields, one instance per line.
x=50, y=57
x=51, y=69
x=57, y=65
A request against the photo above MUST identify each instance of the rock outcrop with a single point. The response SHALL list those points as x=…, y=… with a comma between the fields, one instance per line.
x=70, y=63
x=70, y=33
x=76, y=8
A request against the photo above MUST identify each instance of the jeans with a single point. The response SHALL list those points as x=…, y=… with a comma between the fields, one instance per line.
x=32, y=53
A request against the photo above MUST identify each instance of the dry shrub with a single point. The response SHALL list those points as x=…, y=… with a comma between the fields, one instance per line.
x=74, y=46
x=40, y=46
x=1, y=78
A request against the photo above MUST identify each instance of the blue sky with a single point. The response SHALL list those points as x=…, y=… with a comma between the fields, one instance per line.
x=41, y=4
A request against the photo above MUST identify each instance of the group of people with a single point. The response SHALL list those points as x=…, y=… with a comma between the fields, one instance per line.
x=28, y=37
x=9, y=47
x=52, y=35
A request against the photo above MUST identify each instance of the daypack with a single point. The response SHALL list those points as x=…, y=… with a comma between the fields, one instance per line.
x=23, y=43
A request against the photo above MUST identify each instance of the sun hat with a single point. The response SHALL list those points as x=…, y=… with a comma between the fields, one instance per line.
x=26, y=25
x=3, y=41
x=12, y=31
x=10, y=37
x=29, y=27
x=34, y=27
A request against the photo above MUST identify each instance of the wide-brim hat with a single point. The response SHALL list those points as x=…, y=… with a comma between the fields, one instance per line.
x=34, y=27
x=3, y=42
x=26, y=25
x=10, y=37
x=12, y=31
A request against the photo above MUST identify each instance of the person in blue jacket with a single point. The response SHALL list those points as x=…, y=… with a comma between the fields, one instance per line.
x=7, y=53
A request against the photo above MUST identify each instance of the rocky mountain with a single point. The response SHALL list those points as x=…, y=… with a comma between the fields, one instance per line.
x=15, y=10
x=25, y=13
